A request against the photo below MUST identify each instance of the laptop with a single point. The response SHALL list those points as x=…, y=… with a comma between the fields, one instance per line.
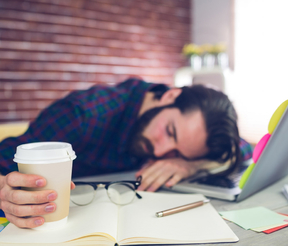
x=271, y=166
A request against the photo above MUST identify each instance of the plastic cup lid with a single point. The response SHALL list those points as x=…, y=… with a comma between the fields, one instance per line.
x=44, y=153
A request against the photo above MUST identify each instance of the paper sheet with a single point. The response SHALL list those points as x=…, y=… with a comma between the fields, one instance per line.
x=201, y=224
x=254, y=217
x=269, y=229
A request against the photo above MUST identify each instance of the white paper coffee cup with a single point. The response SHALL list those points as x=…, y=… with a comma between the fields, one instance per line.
x=53, y=161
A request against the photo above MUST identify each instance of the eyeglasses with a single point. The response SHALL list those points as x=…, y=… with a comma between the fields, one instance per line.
x=119, y=192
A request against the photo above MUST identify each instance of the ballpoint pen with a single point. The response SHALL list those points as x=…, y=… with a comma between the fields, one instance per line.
x=181, y=208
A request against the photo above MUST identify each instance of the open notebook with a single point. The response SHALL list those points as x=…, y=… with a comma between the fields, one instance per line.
x=271, y=166
x=104, y=223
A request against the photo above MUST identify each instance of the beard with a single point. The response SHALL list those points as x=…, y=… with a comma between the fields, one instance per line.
x=136, y=140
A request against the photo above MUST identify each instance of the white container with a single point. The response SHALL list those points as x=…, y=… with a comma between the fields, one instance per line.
x=53, y=161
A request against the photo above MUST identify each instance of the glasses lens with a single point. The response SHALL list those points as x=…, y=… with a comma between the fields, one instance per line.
x=121, y=193
x=82, y=194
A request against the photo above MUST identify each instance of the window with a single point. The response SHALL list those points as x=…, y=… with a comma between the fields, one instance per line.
x=260, y=79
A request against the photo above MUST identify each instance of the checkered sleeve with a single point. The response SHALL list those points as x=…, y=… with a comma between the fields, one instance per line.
x=59, y=122
x=246, y=149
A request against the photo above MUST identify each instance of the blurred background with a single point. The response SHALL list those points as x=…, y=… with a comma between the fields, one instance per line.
x=51, y=47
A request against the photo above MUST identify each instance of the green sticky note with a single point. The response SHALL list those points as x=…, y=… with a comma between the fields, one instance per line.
x=253, y=217
x=246, y=175
x=5, y=224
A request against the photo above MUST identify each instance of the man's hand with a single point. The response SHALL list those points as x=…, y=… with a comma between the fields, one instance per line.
x=166, y=172
x=22, y=207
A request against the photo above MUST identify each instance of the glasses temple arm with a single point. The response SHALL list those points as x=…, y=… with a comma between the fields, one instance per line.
x=138, y=196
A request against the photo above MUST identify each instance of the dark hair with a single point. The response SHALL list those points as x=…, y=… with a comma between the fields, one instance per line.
x=221, y=122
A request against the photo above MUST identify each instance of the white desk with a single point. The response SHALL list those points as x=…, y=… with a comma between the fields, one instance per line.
x=271, y=198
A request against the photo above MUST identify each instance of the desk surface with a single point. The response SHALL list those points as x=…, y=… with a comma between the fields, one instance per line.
x=271, y=198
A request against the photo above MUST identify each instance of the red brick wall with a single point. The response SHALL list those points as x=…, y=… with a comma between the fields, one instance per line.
x=50, y=47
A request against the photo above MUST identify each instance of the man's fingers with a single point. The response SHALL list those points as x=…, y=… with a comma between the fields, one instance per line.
x=148, y=175
x=144, y=168
x=16, y=179
x=72, y=186
x=150, y=169
x=146, y=184
x=31, y=222
x=155, y=177
x=174, y=180
x=28, y=197
x=28, y=210
x=160, y=180
x=164, y=172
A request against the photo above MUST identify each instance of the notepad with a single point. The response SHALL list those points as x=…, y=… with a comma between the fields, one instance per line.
x=104, y=222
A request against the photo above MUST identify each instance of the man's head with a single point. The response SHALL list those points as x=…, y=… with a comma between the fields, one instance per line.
x=193, y=122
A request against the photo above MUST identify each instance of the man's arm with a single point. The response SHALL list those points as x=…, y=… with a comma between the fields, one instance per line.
x=170, y=171
x=60, y=122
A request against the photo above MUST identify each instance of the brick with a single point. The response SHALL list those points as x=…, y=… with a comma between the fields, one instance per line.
x=51, y=47
x=54, y=23
x=16, y=105
x=31, y=95
x=138, y=50
x=18, y=115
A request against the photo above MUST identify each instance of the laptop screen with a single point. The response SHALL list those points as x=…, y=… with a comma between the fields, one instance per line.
x=272, y=164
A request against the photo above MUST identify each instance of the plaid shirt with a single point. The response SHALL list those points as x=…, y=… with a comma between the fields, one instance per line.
x=96, y=122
